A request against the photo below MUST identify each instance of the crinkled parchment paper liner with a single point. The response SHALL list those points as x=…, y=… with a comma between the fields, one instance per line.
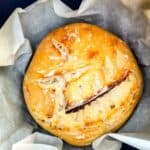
x=19, y=38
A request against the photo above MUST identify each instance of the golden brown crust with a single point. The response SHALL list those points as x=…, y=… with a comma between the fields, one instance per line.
x=72, y=65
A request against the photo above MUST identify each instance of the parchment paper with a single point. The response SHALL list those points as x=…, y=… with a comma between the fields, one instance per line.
x=19, y=38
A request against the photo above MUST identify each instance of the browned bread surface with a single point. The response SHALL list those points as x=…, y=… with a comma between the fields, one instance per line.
x=82, y=83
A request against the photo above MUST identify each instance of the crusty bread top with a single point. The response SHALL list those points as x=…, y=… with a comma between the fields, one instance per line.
x=82, y=82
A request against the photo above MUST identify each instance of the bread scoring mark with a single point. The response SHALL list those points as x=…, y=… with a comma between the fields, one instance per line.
x=100, y=93
x=51, y=73
x=58, y=82
x=75, y=74
x=55, y=86
x=61, y=48
x=55, y=82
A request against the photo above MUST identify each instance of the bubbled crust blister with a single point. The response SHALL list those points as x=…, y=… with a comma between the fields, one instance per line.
x=73, y=64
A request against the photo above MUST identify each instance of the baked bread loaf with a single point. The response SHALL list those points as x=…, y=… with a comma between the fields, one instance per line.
x=82, y=82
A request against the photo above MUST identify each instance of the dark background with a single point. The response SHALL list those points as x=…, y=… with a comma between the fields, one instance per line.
x=7, y=7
